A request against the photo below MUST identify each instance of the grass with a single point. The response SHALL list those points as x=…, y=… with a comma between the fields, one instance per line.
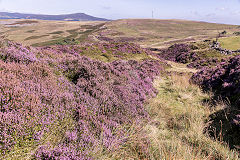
x=178, y=122
x=30, y=31
x=35, y=37
x=181, y=116
x=23, y=22
x=76, y=36
x=95, y=53
x=57, y=32
x=232, y=43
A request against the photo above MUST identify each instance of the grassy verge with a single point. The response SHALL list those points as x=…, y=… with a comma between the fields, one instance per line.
x=180, y=117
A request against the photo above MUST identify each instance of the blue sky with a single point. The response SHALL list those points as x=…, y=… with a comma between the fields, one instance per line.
x=220, y=11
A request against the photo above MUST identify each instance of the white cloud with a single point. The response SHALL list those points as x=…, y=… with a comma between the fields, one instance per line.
x=222, y=8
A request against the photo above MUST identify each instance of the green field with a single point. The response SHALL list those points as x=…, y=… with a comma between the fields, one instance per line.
x=232, y=43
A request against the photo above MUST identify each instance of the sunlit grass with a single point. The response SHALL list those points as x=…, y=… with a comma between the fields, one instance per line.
x=232, y=43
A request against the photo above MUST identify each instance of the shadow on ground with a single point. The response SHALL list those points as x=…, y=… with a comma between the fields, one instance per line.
x=225, y=126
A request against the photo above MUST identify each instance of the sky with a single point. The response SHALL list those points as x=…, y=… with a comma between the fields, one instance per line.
x=219, y=11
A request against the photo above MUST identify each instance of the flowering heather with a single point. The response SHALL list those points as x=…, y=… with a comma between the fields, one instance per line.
x=55, y=92
x=173, y=53
x=15, y=52
x=185, y=53
x=223, y=79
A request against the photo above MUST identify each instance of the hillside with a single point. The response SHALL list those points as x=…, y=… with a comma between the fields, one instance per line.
x=145, y=32
x=162, y=33
x=63, y=17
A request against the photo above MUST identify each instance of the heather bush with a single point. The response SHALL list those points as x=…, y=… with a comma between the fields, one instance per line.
x=110, y=94
x=182, y=53
x=28, y=94
x=189, y=54
x=208, y=62
x=65, y=104
x=223, y=79
x=15, y=52
x=176, y=50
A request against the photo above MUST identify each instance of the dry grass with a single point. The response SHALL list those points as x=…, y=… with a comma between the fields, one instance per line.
x=41, y=30
x=180, y=68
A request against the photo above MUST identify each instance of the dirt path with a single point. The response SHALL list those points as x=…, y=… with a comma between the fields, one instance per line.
x=180, y=68
x=169, y=42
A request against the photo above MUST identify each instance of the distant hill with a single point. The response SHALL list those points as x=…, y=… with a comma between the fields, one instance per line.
x=63, y=17
x=161, y=33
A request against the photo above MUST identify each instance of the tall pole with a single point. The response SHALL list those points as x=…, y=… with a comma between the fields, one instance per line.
x=152, y=15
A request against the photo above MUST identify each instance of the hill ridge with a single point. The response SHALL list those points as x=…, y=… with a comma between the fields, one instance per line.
x=62, y=17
